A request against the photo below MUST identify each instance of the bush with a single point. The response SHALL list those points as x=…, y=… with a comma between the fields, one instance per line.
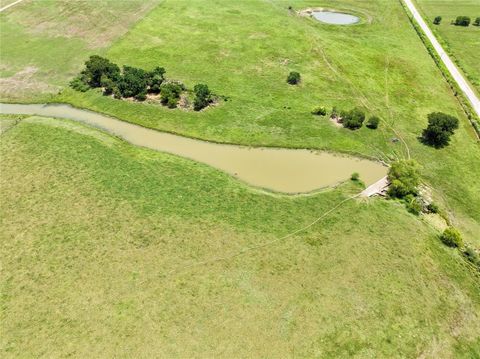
x=79, y=83
x=451, y=237
x=413, y=204
x=203, y=97
x=433, y=208
x=352, y=119
x=440, y=127
x=293, y=78
x=373, y=122
x=155, y=79
x=334, y=112
x=472, y=256
x=437, y=20
x=404, y=179
x=107, y=84
x=477, y=21
x=116, y=93
x=355, y=176
x=142, y=96
x=170, y=93
x=462, y=21
x=319, y=111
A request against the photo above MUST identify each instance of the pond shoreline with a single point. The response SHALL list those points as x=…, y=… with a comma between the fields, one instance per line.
x=278, y=169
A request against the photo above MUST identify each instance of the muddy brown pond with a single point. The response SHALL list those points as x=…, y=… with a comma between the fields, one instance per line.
x=282, y=170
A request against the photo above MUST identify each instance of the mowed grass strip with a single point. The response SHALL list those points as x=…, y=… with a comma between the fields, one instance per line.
x=92, y=229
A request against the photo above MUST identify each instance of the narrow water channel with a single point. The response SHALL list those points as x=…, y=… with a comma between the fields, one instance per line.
x=282, y=170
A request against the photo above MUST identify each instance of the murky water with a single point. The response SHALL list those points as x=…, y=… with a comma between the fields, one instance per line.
x=283, y=170
x=335, y=18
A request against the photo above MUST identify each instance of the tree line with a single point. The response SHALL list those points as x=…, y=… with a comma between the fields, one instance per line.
x=459, y=21
x=137, y=83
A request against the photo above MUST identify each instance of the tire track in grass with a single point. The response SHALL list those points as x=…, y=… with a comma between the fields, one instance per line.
x=261, y=245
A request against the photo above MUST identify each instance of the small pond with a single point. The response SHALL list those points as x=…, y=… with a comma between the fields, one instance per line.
x=335, y=18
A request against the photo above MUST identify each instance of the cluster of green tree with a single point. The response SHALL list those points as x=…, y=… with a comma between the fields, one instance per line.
x=355, y=118
x=404, y=179
x=440, y=127
x=170, y=93
x=135, y=82
x=352, y=119
x=462, y=21
x=459, y=21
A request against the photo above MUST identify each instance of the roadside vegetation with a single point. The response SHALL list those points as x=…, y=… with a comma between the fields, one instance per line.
x=460, y=41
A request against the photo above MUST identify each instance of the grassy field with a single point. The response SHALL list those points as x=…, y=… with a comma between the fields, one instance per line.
x=109, y=250
x=379, y=65
x=98, y=239
x=461, y=42
x=41, y=41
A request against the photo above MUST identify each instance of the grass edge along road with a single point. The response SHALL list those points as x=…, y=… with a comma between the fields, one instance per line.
x=457, y=75
x=459, y=41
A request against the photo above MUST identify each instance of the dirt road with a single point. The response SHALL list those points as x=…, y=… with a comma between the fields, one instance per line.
x=456, y=74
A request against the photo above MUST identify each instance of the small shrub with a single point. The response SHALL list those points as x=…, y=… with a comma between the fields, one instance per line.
x=108, y=84
x=404, y=179
x=172, y=102
x=352, y=119
x=116, y=93
x=293, y=78
x=413, y=204
x=79, y=84
x=477, y=21
x=451, y=237
x=437, y=20
x=373, y=122
x=170, y=93
x=433, y=208
x=155, y=79
x=462, y=21
x=319, y=111
x=472, y=256
x=203, y=97
x=142, y=96
x=355, y=176
x=334, y=112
